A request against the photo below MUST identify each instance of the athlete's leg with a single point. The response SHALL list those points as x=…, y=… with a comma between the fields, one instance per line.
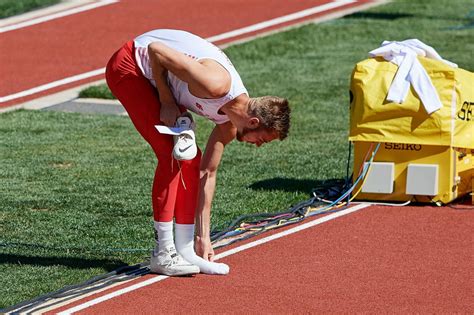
x=141, y=101
x=184, y=238
x=184, y=227
x=188, y=188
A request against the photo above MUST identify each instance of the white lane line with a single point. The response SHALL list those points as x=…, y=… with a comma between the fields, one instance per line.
x=221, y=255
x=51, y=85
x=238, y=32
x=53, y=16
x=293, y=230
x=282, y=19
x=63, y=5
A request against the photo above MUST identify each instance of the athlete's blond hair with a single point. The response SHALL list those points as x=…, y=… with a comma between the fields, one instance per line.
x=273, y=113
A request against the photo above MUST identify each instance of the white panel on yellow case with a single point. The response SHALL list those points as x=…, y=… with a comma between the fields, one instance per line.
x=380, y=178
x=422, y=179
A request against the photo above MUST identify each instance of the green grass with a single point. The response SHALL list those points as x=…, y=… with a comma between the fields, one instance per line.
x=79, y=185
x=13, y=7
x=97, y=91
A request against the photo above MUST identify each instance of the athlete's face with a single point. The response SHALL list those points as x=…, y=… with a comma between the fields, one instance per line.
x=257, y=136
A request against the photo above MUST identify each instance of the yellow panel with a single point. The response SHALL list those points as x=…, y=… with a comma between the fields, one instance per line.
x=456, y=169
x=464, y=170
x=463, y=136
x=375, y=119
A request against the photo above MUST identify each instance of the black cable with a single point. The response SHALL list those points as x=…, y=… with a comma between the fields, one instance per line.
x=348, y=180
x=215, y=236
x=96, y=286
x=129, y=271
x=296, y=210
x=256, y=233
x=348, y=164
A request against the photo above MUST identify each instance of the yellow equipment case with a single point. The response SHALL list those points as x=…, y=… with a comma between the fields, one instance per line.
x=425, y=158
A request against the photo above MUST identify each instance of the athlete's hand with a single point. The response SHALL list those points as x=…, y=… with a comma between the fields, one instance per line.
x=203, y=248
x=169, y=112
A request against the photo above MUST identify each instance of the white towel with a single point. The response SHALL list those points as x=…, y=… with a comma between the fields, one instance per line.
x=410, y=71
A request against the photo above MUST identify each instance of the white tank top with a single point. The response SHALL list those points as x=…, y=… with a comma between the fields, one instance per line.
x=196, y=48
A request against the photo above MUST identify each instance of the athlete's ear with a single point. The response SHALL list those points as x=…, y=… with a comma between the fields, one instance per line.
x=253, y=123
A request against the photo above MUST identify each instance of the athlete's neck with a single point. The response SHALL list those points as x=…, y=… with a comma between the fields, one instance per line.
x=237, y=111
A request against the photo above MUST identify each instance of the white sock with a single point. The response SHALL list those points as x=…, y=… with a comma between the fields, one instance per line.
x=184, y=234
x=164, y=235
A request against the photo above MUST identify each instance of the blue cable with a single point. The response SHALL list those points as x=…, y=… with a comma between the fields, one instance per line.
x=347, y=193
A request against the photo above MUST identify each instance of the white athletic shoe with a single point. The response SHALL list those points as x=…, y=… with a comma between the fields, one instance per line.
x=168, y=262
x=185, y=143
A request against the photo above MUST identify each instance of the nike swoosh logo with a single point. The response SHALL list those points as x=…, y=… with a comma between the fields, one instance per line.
x=182, y=150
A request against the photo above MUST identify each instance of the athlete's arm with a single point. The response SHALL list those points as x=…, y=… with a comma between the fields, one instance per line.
x=169, y=111
x=206, y=78
x=220, y=136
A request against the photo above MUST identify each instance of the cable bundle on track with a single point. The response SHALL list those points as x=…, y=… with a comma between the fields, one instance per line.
x=326, y=198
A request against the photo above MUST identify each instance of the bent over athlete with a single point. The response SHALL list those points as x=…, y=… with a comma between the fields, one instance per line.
x=156, y=77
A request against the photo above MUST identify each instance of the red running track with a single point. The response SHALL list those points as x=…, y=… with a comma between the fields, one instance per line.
x=83, y=42
x=376, y=260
